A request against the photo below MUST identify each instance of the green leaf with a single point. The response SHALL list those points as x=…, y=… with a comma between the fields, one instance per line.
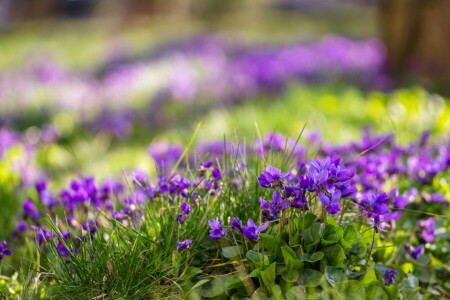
x=351, y=290
x=290, y=258
x=376, y=293
x=290, y=275
x=296, y=293
x=272, y=243
x=314, y=233
x=277, y=294
x=268, y=275
x=305, y=222
x=330, y=236
x=334, y=275
x=197, y=285
x=409, y=287
x=310, y=278
x=221, y=285
x=191, y=272
x=260, y=260
x=260, y=294
x=335, y=256
x=349, y=238
x=312, y=258
x=232, y=282
x=255, y=273
x=214, y=288
x=233, y=252
x=369, y=277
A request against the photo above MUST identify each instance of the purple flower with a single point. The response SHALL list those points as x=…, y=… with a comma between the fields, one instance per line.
x=184, y=244
x=251, y=231
x=216, y=174
x=375, y=205
x=185, y=211
x=90, y=226
x=272, y=142
x=236, y=224
x=217, y=230
x=271, y=210
x=30, y=210
x=43, y=234
x=428, y=233
x=206, y=165
x=41, y=186
x=415, y=252
x=185, y=208
x=389, y=276
x=63, y=251
x=3, y=251
x=338, y=173
x=21, y=228
x=331, y=201
x=437, y=198
x=272, y=177
x=299, y=200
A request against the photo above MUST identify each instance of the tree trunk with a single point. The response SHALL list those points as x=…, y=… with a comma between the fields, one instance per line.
x=417, y=38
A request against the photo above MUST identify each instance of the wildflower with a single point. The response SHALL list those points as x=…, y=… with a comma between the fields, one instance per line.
x=185, y=208
x=389, y=276
x=415, y=252
x=272, y=177
x=63, y=251
x=21, y=228
x=41, y=186
x=299, y=200
x=439, y=198
x=236, y=224
x=216, y=174
x=331, y=201
x=428, y=233
x=251, y=231
x=185, y=211
x=184, y=244
x=90, y=226
x=272, y=209
x=3, y=251
x=375, y=204
x=30, y=210
x=272, y=142
x=217, y=230
x=43, y=234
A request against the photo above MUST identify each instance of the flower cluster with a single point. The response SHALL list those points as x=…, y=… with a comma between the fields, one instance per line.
x=4, y=251
x=185, y=72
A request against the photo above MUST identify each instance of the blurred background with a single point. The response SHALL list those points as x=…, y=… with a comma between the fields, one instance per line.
x=87, y=85
x=416, y=33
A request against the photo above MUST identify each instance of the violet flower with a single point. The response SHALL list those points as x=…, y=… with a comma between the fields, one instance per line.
x=217, y=230
x=272, y=177
x=184, y=244
x=389, y=276
x=271, y=210
x=331, y=201
x=427, y=227
x=3, y=251
x=236, y=224
x=415, y=252
x=185, y=211
x=251, y=231
x=375, y=204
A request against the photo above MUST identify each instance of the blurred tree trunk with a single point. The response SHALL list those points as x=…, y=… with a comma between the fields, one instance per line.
x=37, y=9
x=417, y=37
